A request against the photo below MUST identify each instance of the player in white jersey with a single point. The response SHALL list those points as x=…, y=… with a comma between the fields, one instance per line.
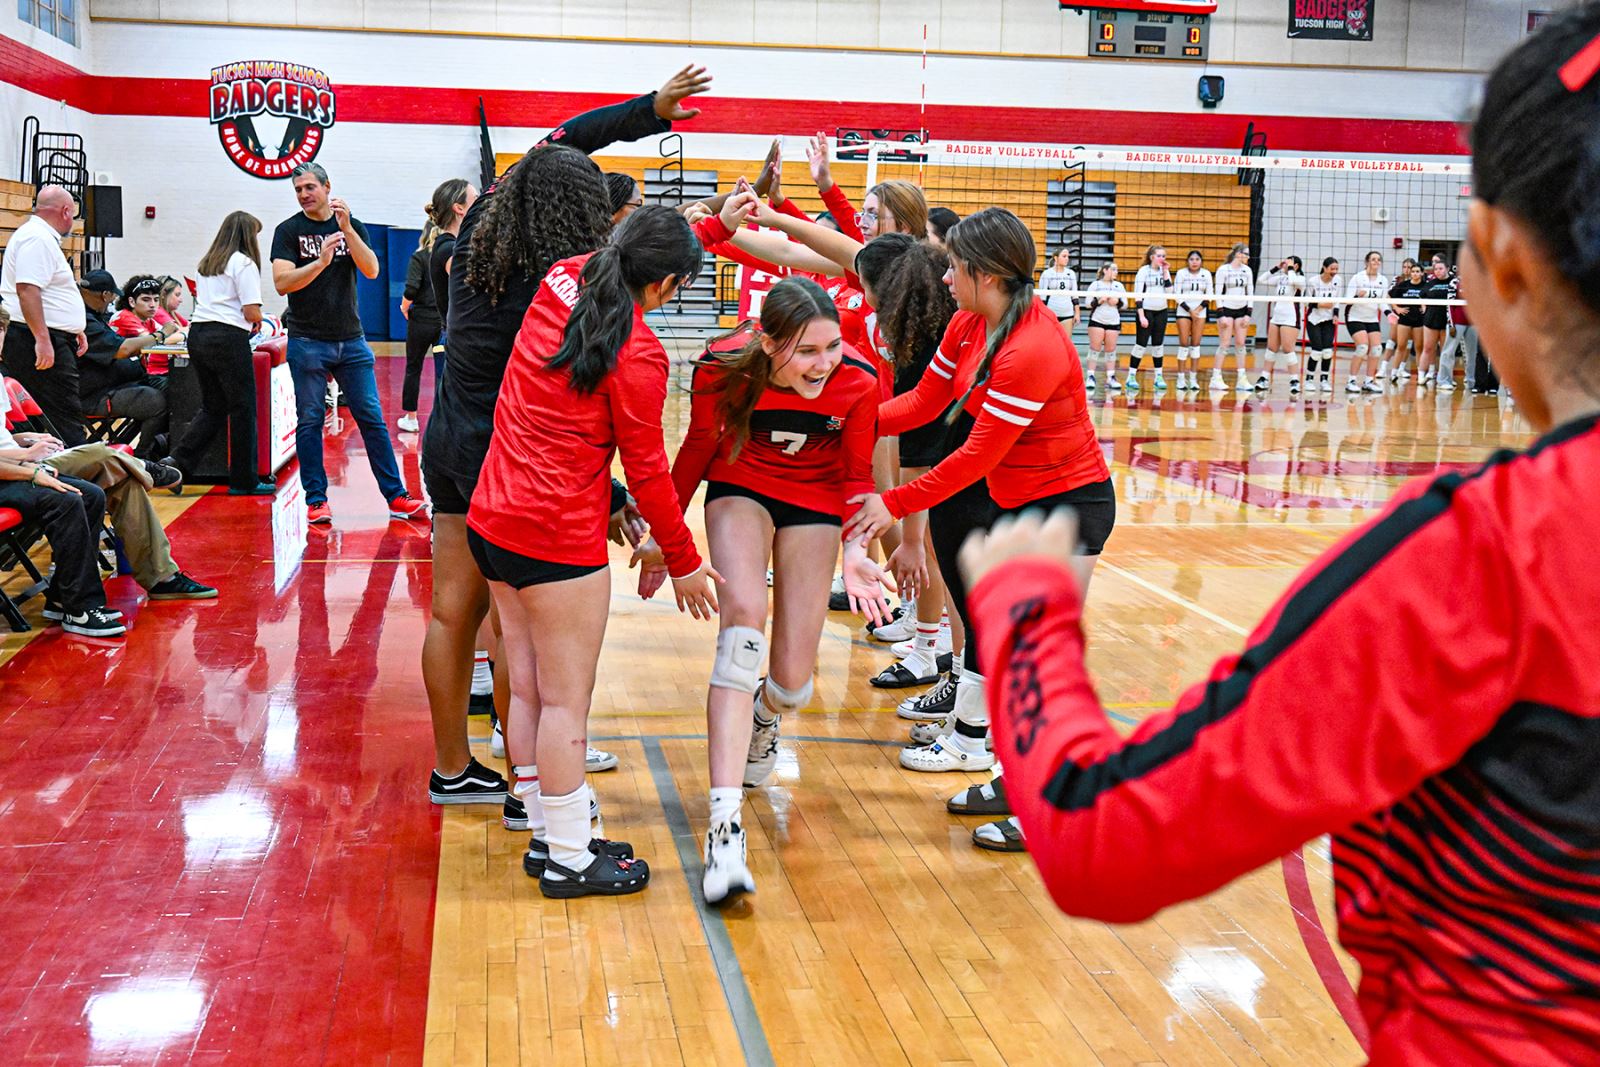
x=1321, y=326
x=1194, y=287
x=1107, y=297
x=1152, y=292
x=1055, y=283
x=1362, y=320
x=1283, y=320
x=1236, y=287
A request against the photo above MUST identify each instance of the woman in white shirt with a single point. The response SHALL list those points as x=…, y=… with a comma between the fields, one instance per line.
x=1055, y=286
x=227, y=307
x=1325, y=288
x=1107, y=297
x=1283, y=320
x=1363, y=321
x=1236, y=287
x=1194, y=286
x=1152, y=288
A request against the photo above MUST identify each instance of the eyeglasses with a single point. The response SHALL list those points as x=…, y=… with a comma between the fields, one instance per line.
x=866, y=214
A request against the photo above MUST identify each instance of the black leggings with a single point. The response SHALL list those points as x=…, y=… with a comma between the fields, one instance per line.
x=949, y=523
x=1155, y=334
x=421, y=335
x=224, y=368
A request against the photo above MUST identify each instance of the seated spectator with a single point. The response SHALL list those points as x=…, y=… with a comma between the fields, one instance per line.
x=171, y=300
x=123, y=484
x=112, y=379
x=141, y=307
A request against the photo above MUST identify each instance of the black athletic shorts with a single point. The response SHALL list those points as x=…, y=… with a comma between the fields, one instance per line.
x=1233, y=313
x=519, y=571
x=1154, y=334
x=1320, y=334
x=1436, y=318
x=1356, y=326
x=782, y=514
x=1096, y=505
x=449, y=494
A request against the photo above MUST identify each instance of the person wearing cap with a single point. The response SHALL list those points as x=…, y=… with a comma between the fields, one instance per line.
x=112, y=378
x=315, y=256
x=46, y=333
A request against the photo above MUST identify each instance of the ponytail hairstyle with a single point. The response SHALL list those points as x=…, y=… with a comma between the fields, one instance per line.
x=914, y=303
x=1105, y=268
x=236, y=234
x=430, y=234
x=789, y=307
x=909, y=206
x=1150, y=253
x=994, y=241
x=652, y=245
x=550, y=206
x=1299, y=264
x=1233, y=253
x=940, y=219
x=439, y=209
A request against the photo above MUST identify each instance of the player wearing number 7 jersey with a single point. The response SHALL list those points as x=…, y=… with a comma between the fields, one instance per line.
x=782, y=425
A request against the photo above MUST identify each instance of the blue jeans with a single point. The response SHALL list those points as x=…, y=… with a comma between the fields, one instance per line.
x=350, y=364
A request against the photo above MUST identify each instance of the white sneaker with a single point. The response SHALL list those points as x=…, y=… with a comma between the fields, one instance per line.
x=926, y=733
x=763, y=754
x=1353, y=386
x=932, y=706
x=1325, y=385
x=1088, y=383
x=902, y=629
x=1242, y=383
x=408, y=423
x=727, y=873
x=945, y=755
x=1403, y=374
x=1160, y=382
x=1112, y=385
x=1372, y=385
x=1294, y=386
x=497, y=742
x=1217, y=381
x=837, y=589
x=1447, y=387
x=1131, y=383
x=598, y=760
x=1263, y=383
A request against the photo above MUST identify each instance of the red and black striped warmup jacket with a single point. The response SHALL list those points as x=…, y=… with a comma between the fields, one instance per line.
x=1428, y=692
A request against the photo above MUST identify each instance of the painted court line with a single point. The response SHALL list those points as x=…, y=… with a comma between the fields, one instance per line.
x=1181, y=601
x=752, y=1037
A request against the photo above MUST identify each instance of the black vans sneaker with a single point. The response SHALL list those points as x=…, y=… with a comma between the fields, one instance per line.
x=476, y=784
x=181, y=587
x=164, y=474
x=95, y=622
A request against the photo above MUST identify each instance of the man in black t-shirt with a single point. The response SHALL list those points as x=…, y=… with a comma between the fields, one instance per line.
x=315, y=256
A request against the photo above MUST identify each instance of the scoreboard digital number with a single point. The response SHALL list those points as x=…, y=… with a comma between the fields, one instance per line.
x=1149, y=35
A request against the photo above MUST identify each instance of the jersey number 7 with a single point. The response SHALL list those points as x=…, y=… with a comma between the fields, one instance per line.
x=792, y=442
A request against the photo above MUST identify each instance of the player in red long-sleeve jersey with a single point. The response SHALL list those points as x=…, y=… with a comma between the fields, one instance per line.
x=1027, y=439
x=587, y=379
x=782, y=428
x=1458, y=777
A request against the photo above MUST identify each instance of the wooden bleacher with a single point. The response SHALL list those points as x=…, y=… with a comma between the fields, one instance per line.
x=16, y=204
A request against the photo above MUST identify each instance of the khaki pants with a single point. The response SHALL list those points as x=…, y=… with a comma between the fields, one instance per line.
x=126, y=484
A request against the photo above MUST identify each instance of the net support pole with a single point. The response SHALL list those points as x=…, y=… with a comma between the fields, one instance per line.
x=872, y=163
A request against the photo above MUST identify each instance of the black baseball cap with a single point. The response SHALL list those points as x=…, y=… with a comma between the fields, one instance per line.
x=100, y=281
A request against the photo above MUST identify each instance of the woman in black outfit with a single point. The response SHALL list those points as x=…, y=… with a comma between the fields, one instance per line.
x=422, y=326
x=227, y=309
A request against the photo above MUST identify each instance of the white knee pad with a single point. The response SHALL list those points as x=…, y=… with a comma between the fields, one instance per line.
x=740, y=650
x=1361, y=351
x=785, y=701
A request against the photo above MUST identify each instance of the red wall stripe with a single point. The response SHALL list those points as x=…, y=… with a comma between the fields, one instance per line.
x=186, y=97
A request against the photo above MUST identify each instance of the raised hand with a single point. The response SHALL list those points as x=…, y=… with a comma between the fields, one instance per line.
x=330, y=248
x=865, y=581
x=686, y=83
x=1030, y=534
x=738, y=208
x=817, y=157
x=341, y=212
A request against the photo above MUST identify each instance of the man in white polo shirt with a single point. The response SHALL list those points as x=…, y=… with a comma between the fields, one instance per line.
x=38, y=290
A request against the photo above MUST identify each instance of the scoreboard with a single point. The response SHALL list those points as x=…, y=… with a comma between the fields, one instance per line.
x=1149, y=34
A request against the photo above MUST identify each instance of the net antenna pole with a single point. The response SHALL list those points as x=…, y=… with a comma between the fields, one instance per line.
x=1074, y=211
x=872, y=163
x=922, y=110
x=1255, y=144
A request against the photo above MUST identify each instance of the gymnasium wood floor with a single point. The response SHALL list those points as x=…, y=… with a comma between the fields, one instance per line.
x=216, y=847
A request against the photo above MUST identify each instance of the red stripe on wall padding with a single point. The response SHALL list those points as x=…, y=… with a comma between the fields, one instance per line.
x=407, y=105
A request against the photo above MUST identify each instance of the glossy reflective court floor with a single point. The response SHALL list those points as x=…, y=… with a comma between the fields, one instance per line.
x=216, y=846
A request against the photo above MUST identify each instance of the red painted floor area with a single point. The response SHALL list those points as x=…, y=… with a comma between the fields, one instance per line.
x=214, y=840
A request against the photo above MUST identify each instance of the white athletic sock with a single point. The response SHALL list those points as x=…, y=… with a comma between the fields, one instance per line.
x=725, y=805
x=482, y=674
x=956, y=666
x=971, y=714
x=567, y=830
x=927, y=639
x=525, y=784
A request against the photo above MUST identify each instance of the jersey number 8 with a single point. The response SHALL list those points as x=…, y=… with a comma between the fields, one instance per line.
x=791, y=442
